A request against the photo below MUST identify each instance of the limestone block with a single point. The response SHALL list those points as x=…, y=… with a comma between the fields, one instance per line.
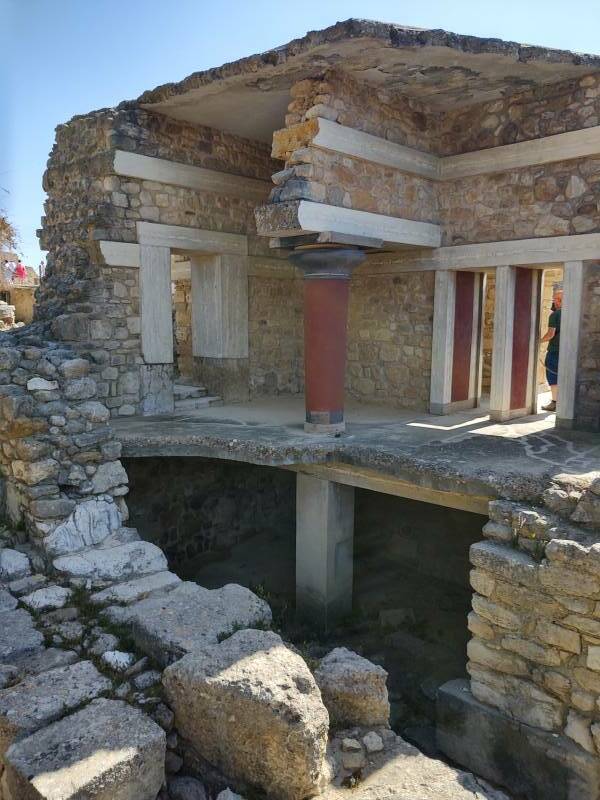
x=18, y=636
x=113, y=563
x=578, y=729
x=39, y=700
x=498, y=531
x=479, y=627
x=251, y=707
x=189, y=618
x=94, y=411
x=80, y=388
x=593, y=658
x=519, y=698
x=41, y=385
x=13, y=565
x=74, y=368
x=354, y=689
x=501, y=511
x=35, y=472
x=495, y=658
x=532, y=651
x=187, y=788
x=117, y=660
x=90, y=523
x=7, y=601
x=496, y=614
x=138, y=589
x=108, y=476
x=47, y=599
x=568, y=581
x=582, y=624
x=106, y=750
x=512, y=565
x=555, y=635
x=482, y=582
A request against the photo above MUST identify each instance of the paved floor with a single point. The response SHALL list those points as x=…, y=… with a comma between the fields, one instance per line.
x=512, y=459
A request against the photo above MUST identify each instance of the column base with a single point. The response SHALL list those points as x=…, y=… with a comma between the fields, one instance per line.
x=504, y=415
x=439, y=409
x=326, y=427
x=529, y=762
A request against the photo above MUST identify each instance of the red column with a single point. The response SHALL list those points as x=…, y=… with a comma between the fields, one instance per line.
x=326, y=290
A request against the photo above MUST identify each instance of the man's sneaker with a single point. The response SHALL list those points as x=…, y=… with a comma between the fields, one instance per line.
x=550, y=407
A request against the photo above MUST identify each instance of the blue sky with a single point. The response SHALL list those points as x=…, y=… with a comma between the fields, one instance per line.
x=67, y=57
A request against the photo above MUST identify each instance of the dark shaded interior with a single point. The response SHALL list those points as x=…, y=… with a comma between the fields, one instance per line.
x=222, y=522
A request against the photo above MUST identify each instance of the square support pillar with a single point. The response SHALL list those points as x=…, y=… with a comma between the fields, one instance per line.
x=220, y=323
x=156, y=304
x=572, y=309
x=324, y=549
x=516, y=343
x=457, y=341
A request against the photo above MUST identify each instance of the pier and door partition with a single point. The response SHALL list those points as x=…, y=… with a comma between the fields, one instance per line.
x=458, y=319
x=457, y=341
x=219, y=292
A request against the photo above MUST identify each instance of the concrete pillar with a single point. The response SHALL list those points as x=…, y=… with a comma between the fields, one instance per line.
x=516, y=343
x=156, y=304
x=324, y=549
x=457, y=341
x=220, y=323
x=572, y=309
x=326, y=290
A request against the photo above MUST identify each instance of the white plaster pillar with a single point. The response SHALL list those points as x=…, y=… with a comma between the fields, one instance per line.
x=457, y=341
x=516, y=343
x=573, y=282
x=219, y=306
x=156, y=304
x=324, y=549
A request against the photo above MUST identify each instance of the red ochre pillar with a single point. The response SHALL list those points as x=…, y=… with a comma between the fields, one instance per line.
x=326, y=290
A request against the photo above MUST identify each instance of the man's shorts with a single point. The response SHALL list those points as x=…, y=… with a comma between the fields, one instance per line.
x=551, y=364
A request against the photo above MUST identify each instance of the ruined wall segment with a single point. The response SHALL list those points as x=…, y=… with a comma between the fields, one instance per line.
x=587, y=402
x=535, y=651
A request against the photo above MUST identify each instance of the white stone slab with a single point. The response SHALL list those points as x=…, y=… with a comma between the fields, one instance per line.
x=317, y=217
x=156, y=304
x=114, y=563
x=219, y=306
x=120, y=254
x=178, y=237
x=138, y=589
x=573, y=283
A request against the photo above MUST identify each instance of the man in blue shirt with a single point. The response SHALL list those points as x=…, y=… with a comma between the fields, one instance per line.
x=552, y=336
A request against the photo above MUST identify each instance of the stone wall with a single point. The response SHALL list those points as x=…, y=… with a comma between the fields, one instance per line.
x=535, y=651
x=389, y=338
x=276, y=335
x=587, y=406
x=182, y=327
x=58, y=450
x=194, y=507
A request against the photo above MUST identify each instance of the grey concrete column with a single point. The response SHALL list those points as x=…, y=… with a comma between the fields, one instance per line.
x=573, y=281
x=324, y=549
x=220, y=324
x=443, y=341
x=156, y=304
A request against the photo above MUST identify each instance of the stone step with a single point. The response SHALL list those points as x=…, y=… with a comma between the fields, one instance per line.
x=138, y=589
x=197, y=402
x=184, y=391
x=41, y=699
x=18, y=636
x=108, y=749
x=120, y=563
x=189, y=618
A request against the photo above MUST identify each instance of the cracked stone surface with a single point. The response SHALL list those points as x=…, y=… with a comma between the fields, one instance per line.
x=44, y=698
x=113, y=563
x=107, y=750
x=189, y=618
x=18, y=636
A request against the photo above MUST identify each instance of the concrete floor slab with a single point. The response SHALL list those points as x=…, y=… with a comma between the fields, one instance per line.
x=462, y=453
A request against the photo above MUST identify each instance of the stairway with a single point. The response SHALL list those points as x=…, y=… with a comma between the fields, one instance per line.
x=188, y=397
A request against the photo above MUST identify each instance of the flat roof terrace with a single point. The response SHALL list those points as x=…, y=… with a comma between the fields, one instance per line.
x=461, y=460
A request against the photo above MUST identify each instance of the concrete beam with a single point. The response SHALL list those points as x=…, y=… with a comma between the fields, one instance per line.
x=219, y=306
x=327, y=135
x=517, y=252
x=300, y=216
x=199, y=179
x=365, y=478
x=197, y=240
x=324, y=549
x=570, y=334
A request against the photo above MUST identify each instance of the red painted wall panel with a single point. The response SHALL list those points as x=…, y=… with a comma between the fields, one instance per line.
x=521, y=337
x=463, y=335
